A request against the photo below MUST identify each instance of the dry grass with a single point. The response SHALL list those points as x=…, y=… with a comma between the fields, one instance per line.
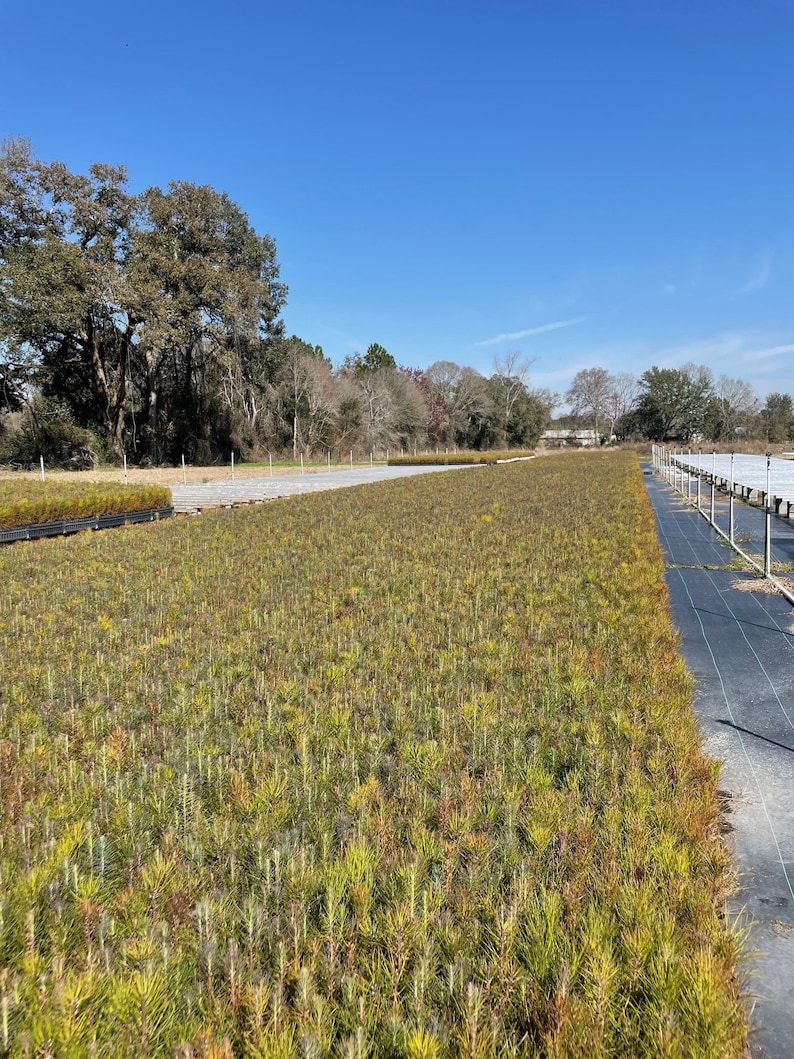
x=760, y=584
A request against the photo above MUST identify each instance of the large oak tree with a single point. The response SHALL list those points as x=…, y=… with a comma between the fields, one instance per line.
x=132, y=310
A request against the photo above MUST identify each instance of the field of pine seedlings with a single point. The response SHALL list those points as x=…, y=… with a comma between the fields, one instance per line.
x=400, y=770
x=458, y=458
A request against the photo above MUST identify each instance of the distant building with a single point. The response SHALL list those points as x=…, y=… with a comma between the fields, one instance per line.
x=576, y=439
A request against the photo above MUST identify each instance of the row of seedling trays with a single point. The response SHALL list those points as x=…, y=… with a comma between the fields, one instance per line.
x=77, y=525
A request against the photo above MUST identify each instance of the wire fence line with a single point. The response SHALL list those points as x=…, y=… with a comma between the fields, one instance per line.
x=701, y=477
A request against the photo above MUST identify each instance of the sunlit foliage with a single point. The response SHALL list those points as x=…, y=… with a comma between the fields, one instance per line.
x=404, y=770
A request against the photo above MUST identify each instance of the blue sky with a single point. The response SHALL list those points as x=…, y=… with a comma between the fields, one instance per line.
x=591, y=184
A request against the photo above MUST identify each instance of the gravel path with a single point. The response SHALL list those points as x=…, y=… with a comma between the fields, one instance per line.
x=196, y=497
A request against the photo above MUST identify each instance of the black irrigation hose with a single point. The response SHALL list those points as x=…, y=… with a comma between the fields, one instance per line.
x=77, y=525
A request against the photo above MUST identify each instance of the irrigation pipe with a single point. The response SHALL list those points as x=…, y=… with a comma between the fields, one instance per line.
x=748, y=559
x=729, y=538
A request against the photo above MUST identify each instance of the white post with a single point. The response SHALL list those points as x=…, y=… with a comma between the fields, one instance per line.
x=351, y=459
x=184, y=475
x=768, y=521
x=270, y=461
x=41, y=461
x=329, y=460
x=730, y=505
x=126, y=480
x=232, y=464
x=689, y=477
x=713, y=478
x=370, y=459
x=301, y=463
x=700, y=467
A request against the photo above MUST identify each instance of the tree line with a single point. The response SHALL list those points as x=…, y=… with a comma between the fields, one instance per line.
x=149, y=325
x=683, y=404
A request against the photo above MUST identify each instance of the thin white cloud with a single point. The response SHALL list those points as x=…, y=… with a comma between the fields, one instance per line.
x=758, y=279
x=511, y=336
x=767, y=354
x=345, y=339
x=707, y=351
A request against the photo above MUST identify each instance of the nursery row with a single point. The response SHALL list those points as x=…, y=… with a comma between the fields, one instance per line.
x=457, y=458
x=26, y=502
x=400, y=770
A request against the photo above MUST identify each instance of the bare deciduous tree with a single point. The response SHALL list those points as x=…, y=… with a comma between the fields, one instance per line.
x=622, y=399
x=589, y=395
x=513, y=370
